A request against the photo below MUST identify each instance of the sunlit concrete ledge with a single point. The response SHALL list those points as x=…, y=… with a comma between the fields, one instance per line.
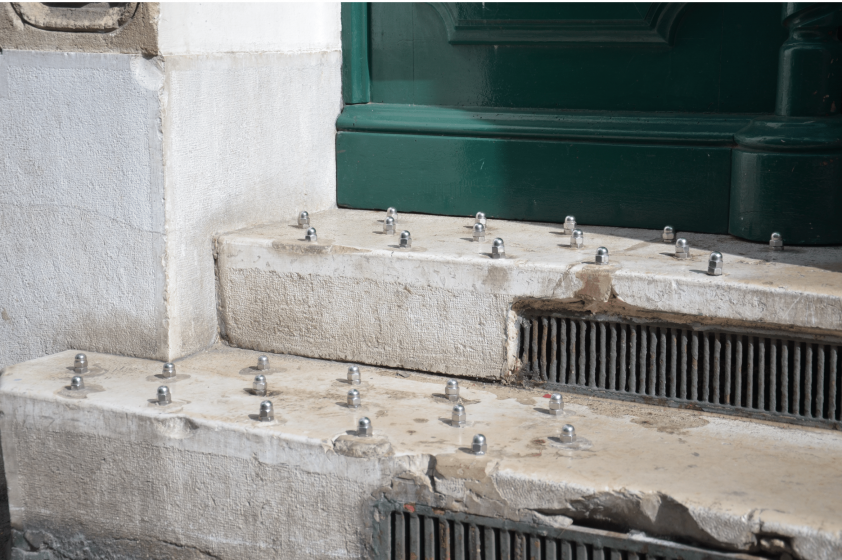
x=446, y=306
x=107, y=471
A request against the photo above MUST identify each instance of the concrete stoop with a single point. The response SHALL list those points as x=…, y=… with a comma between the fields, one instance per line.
x=106, y=473
x=446, y=306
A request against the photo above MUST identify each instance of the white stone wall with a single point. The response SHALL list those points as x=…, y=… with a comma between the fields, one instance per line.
x=117, y=170
x=81, y=218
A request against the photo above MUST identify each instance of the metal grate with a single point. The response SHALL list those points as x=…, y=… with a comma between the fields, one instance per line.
x=418, y=532
x=752, y=374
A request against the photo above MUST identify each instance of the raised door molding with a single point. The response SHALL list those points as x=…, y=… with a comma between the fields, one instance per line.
x=657, y=27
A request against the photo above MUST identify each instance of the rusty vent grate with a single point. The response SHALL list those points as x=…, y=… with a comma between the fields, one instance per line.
x=418, y=532
x=751, y=374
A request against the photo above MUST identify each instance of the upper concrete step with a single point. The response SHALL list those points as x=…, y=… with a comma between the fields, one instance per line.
x=108, y=469
x=446, y=306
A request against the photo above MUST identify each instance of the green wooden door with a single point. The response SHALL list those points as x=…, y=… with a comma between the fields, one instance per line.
x=621, y=114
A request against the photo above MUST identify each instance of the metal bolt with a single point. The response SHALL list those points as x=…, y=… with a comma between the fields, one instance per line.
x=80, y=364
x=479, y=232
x=682, y=248
x=267, y=412
x=364, y=428
x=457, y=419
x=311, y=235
x=262, y=363
x=259, y=385
x=77, y=383
x=303, y=219
x=577, y=239
x=479, y=445
x=392, y=213
x=602, y=256
x=498, y=250
x=569, y=224
x=164, y=396
x=556, y=404
x=169, y=370
x=668, y=235
x=354, y=375
x=776, y=243
x=568, y=434
x=452, y=390
x=715, y=264
x=481, y=218
x=406, y=240
x=389, y=226
x=353, y=398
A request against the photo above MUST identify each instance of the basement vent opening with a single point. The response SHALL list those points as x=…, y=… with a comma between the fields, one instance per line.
x=763, y=375
x=419, y=532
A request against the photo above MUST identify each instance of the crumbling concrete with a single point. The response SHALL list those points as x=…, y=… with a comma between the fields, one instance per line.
x=202, y=478
x=446, y=306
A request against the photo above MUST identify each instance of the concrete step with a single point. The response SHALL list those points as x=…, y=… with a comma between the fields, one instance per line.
x=107, y=470
x=446, y=306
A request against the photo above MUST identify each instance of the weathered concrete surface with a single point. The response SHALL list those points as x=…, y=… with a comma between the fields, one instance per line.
x=81, y=213
x=248, y=139
x=445, y=305
x=113, y=474
x=138, y=35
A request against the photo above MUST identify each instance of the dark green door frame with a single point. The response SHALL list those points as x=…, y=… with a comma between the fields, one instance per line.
x=716, y=172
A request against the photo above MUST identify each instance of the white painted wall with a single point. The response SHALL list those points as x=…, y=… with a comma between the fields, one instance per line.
x=81, y=210
x=205, y=28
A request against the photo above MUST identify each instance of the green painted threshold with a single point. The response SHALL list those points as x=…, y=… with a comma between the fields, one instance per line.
x=601, y=183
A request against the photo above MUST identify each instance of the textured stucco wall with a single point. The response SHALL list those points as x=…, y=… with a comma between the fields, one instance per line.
x=248, y=139
x=81, y=213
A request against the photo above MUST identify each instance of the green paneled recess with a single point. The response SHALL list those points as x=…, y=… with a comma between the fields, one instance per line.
x=625, y=114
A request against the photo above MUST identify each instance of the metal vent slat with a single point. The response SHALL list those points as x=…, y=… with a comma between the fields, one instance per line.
x=418, y=532
x=759, y=374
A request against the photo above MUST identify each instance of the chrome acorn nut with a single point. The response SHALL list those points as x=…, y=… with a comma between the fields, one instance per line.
x=669, y=234
x=168, y=370
x=303, y=219
x=267, y=412
x=452, y=390
x=392, y=213
x=569, y=225
x=556, y=404
x=77, y=383
x=80, y=364
x=568, y=434
x=498, y=249
x=259, y=385
x=682, y=248
x=715, y=264
x=479, y=232
x=602, y=256
x=262, y=363
x=164, y=395
x=457, y=418
x=311, y=235
x=406, y=240
x=479, y=446
x=776, y=243
x=354, y=375
x=480, y=218
x=353, y=398
x=364, y=428
x=577, y=239
x=389, y=225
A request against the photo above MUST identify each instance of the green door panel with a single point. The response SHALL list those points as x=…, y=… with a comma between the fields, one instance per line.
x=632, y=185
x=724, y=60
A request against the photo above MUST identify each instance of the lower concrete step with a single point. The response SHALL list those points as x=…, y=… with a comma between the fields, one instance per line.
x=445, y=305
x=104, y=471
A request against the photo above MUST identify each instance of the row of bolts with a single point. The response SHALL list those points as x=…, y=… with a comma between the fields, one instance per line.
x=577, y=239
x=479, y=445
